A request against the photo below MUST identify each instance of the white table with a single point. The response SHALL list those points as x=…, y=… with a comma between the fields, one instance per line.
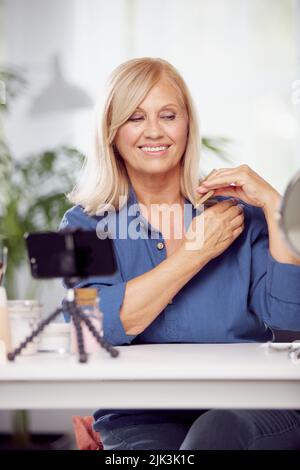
x=154, y=376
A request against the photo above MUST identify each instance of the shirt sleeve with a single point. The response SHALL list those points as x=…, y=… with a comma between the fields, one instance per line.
x=111, y=287
x=274, y=286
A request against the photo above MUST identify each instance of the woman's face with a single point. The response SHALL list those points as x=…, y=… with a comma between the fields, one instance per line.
x=154, y=138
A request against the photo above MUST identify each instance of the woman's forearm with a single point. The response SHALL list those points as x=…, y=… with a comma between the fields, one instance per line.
x=277, y=245
x=147, y=295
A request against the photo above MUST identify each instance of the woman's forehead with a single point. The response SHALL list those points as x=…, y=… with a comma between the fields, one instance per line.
x=163, y=94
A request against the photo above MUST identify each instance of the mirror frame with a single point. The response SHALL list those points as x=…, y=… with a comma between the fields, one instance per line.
x=282, y=208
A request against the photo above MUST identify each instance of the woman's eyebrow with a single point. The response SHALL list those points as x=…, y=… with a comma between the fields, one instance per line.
x=170, y=104
x=139, y=108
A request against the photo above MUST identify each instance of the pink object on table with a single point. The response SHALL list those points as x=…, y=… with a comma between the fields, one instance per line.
x=86, y=437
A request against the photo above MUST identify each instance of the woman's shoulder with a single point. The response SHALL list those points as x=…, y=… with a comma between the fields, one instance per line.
x=76, y=216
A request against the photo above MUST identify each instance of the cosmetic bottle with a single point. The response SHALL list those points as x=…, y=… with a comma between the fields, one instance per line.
x=5, y=334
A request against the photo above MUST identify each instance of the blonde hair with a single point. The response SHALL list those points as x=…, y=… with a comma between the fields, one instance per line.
x=104, y=177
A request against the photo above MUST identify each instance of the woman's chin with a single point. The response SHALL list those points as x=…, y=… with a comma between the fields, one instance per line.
x=158, y=170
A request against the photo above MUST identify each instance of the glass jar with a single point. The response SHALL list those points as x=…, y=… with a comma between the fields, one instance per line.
x=24, y=316
x=55, y=338
x=89, y=302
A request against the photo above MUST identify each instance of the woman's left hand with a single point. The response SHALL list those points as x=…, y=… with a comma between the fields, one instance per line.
x=248, y=186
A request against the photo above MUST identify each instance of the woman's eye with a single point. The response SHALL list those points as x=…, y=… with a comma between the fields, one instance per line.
x=136, y=118
x=168, y=117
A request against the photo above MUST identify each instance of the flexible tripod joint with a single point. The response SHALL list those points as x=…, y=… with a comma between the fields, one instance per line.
x=74, y=311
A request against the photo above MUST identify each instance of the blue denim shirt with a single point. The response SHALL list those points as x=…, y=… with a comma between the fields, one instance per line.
x=237, y=297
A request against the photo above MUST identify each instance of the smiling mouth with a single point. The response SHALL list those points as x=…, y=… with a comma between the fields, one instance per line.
x=154, y=150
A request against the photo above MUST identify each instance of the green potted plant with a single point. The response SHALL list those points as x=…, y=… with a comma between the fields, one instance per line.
x=32, y=191
x=32, y=198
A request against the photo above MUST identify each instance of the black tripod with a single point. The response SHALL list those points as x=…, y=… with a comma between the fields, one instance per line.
x=70, y=307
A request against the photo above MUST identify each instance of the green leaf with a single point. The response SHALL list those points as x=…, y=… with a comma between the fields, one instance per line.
x=218, y=146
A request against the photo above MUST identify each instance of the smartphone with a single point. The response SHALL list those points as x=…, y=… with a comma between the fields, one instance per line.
x=69, y=253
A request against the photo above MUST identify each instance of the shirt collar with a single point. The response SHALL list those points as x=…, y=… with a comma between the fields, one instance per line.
x=189, y=210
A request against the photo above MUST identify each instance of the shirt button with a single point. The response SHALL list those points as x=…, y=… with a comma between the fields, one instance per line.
x=160, y=246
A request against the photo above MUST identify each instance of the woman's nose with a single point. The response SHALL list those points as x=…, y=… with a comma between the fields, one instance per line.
x=153, y=129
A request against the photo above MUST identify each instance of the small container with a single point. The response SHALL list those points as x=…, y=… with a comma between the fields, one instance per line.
x=88, y=300
x=5, y=335
x=24, y=316
x=55, y=338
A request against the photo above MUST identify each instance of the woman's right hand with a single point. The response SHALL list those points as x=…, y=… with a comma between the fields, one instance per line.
x=215, y=229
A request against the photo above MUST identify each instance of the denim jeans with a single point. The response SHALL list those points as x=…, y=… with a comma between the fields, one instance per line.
x=207, y=430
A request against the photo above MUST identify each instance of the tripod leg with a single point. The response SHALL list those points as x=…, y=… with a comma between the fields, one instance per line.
x=104, y=344
x=11, y=355
x=76, y=319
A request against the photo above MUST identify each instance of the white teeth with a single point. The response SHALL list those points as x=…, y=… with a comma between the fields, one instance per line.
x=154, y=149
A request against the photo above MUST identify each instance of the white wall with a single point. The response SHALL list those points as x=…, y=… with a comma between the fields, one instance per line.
x=238, y=57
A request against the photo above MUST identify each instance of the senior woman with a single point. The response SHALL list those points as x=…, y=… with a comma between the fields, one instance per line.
x=221, y=275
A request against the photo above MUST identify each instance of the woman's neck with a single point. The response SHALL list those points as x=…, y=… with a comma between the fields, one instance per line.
x=157, y=189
